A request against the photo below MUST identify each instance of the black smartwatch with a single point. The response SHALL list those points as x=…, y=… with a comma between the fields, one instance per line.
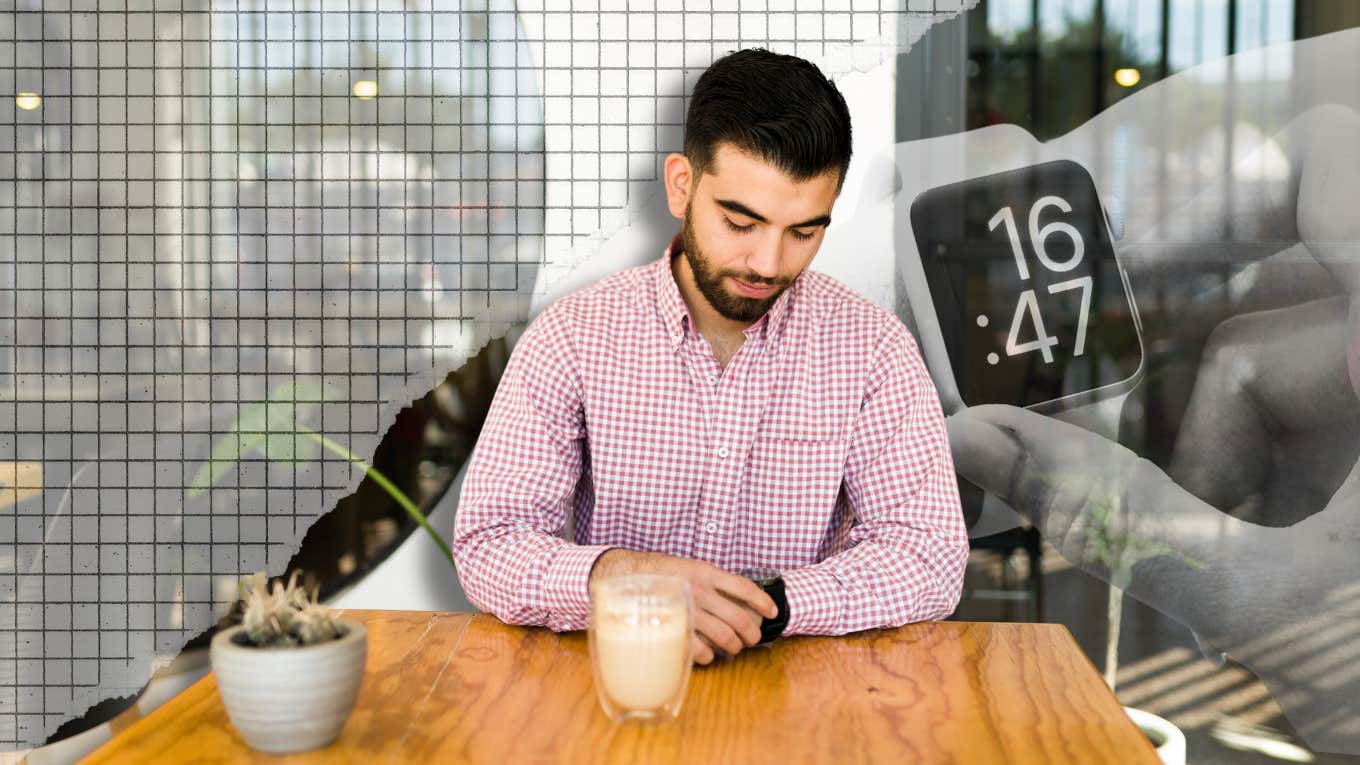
x=773, y=584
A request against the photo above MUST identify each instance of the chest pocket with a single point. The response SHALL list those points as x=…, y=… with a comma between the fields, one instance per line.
x=791, y=488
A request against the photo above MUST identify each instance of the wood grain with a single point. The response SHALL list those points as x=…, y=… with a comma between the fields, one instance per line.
x=467, y=688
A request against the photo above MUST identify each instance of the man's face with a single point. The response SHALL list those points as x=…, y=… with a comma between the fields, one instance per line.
x=749, y=230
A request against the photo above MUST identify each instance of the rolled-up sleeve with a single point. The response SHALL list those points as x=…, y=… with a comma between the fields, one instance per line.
x=520, y=486
x=908, y=548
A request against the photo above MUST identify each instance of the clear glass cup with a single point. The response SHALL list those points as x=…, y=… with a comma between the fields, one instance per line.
x=640, y=636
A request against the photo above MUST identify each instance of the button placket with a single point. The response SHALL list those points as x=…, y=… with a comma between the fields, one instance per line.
x=732, y=427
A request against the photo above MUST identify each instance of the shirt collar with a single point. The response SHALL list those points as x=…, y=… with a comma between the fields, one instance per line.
x=773, y=322
x=671, y=304
x=675, y=314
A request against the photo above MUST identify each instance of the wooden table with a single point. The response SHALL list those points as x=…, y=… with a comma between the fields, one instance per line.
x=457, y=687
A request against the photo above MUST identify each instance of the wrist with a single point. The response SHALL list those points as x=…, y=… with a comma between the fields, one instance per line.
x=615, y=562
x=772, y=583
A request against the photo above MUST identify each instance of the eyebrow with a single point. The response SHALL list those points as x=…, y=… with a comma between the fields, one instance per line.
x=741, y=209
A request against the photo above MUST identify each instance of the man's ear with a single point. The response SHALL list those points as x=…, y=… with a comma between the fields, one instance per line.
x=678, y=174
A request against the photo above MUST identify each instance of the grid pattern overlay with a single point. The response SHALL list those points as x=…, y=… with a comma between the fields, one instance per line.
x=225, y=226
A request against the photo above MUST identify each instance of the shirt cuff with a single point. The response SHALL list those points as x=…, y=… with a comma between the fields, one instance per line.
x=566, y=585
x=815, y=602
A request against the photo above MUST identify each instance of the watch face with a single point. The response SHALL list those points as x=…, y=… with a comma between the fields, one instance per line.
x=762, y=576
x=1031, y=301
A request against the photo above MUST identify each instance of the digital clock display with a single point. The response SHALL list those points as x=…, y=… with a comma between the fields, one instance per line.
x=1031, y=301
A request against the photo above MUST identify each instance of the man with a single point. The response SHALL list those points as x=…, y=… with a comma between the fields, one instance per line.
x=722, y=409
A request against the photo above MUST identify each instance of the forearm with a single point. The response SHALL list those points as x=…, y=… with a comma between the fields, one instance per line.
x=618, y=561
x=907, y=552
x=510, y=558
x=526, y=576
x=899, y=576
x=521, y=486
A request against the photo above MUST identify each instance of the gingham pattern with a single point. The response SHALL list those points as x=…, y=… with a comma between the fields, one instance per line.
x=820, y=451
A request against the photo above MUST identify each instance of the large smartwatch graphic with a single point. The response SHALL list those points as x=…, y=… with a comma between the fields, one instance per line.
x=1031, y=302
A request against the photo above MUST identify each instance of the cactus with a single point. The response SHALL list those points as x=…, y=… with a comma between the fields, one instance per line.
x=286, y=616
x=315, y=624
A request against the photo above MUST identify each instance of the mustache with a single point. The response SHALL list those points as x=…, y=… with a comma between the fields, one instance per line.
x=754, y=278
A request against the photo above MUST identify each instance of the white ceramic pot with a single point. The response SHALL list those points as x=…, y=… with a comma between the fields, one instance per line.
x=289, y=699
x=1167, y=738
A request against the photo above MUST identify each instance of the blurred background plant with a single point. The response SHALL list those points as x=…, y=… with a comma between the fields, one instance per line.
x=273, y=427
x=1118, y=551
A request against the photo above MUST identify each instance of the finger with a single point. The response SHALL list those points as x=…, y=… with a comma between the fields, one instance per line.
x=753, y=617
x=743, y=590
x=1154, y=252
x=1321, y=145
x=718, y=653
x=1263, y=375
x=743, y=620
x=983, y=452
x=701, y=651
x=718, y=633
x=747, y=622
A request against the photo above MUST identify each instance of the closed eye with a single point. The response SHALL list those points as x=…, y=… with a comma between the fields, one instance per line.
x=802, y=237
x=735, y=227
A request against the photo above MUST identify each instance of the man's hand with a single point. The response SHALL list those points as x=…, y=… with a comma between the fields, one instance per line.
x=727, y=608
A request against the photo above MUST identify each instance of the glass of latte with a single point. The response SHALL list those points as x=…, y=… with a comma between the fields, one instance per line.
x=640, y=628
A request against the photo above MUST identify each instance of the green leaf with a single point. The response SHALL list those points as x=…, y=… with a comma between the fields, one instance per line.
x=270, y=425
x=1120, y=552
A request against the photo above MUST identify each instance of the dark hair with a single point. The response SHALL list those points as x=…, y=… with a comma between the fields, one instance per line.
x=779, y=108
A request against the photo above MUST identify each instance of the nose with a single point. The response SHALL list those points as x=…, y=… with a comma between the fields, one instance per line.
x=763, y=260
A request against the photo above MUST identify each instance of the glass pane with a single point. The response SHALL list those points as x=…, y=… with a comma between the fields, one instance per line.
x=1262, y=23
x=1198, y=33
x=1000, y=65
x=1067, y=67
x=1137, y=25
x=1009, y=19
x=1133, y=46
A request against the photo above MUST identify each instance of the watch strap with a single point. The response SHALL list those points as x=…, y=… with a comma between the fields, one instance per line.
x=773, y=628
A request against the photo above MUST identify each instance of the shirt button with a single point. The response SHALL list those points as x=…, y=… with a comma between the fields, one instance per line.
x=711, y=528
x=722, y=452
x=712, y=380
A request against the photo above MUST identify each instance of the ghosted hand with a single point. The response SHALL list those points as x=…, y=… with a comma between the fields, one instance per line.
x=1249, y=536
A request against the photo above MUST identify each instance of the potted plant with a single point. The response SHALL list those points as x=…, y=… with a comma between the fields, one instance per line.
x=290, y=671
x=1118, y=551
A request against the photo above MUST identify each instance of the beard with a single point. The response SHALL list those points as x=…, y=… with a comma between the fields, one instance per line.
x=710, y=282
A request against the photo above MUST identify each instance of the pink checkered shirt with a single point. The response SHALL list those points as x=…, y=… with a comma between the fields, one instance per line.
x=820, y=451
